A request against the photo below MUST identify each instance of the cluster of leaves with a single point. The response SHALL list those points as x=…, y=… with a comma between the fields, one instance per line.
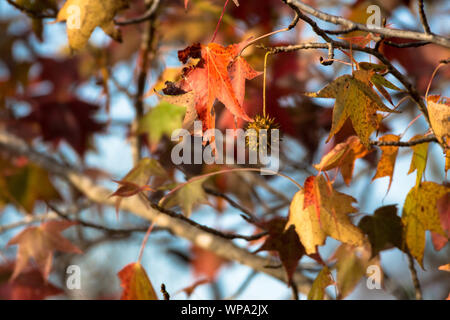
x=213, y=86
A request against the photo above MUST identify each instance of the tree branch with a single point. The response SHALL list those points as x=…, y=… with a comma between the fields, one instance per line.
x=96, y=193
x=348, y=24
x=423, y=17
x=148, y=15
x=404, y=143
x=412, y=91
x=415, y=278
x=143, y=63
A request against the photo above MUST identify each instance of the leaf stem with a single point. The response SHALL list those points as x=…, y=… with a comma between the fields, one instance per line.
x=264, y=82
x=220, y=20
x=144, y=241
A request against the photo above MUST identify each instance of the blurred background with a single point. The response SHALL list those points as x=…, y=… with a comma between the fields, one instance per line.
x=93, y=131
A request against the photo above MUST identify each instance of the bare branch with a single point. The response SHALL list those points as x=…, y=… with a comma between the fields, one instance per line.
x=348, y=24
x=415, y=278
x=404, y=143
x=423, y=17
x=148, y=15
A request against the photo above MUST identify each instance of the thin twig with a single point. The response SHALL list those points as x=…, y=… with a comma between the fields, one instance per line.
x=28, y=220
x=148, y=15
x=415, y=278
x=166, y=295
x=94, y=225
x=348, y=24
x=233, y=203
x=404, y=143
x=229, y=236
x=143, y=61
x=407, y=44
x=423, y=17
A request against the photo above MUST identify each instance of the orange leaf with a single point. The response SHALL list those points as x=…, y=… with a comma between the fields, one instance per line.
x=219, y=74
x=39, y=243
x=386, y=164
x=343, y=156
x=135, y=283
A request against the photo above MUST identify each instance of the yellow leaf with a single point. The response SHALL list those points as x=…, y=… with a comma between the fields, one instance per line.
x=356, y=100
x=334, y=208
x=83, y=16
x=439, y=113
x=135, y=283
x=420, y=213
x=419, y=159
x=351, y=266
x=385, y=167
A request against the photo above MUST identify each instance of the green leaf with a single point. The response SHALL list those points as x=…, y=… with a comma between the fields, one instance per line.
x=187, y=197
x=419, y=159
x=379, y=80
x=322, y=281
x=164, y=119
x=25, y=186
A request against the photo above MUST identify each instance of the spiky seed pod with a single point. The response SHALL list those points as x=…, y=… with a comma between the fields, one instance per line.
x=260, y=123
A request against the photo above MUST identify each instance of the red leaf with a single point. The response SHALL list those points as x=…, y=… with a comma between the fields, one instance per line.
x=443, y=206
x=69, y=119
x=29, y=285
x=220, y=75
x=206, y=263
x=285, y=242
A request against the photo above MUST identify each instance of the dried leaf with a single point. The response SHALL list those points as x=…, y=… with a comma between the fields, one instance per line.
x=83, y=16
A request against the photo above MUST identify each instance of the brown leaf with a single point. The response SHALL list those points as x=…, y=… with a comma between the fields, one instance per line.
x=285, y=242
x=39, y=243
